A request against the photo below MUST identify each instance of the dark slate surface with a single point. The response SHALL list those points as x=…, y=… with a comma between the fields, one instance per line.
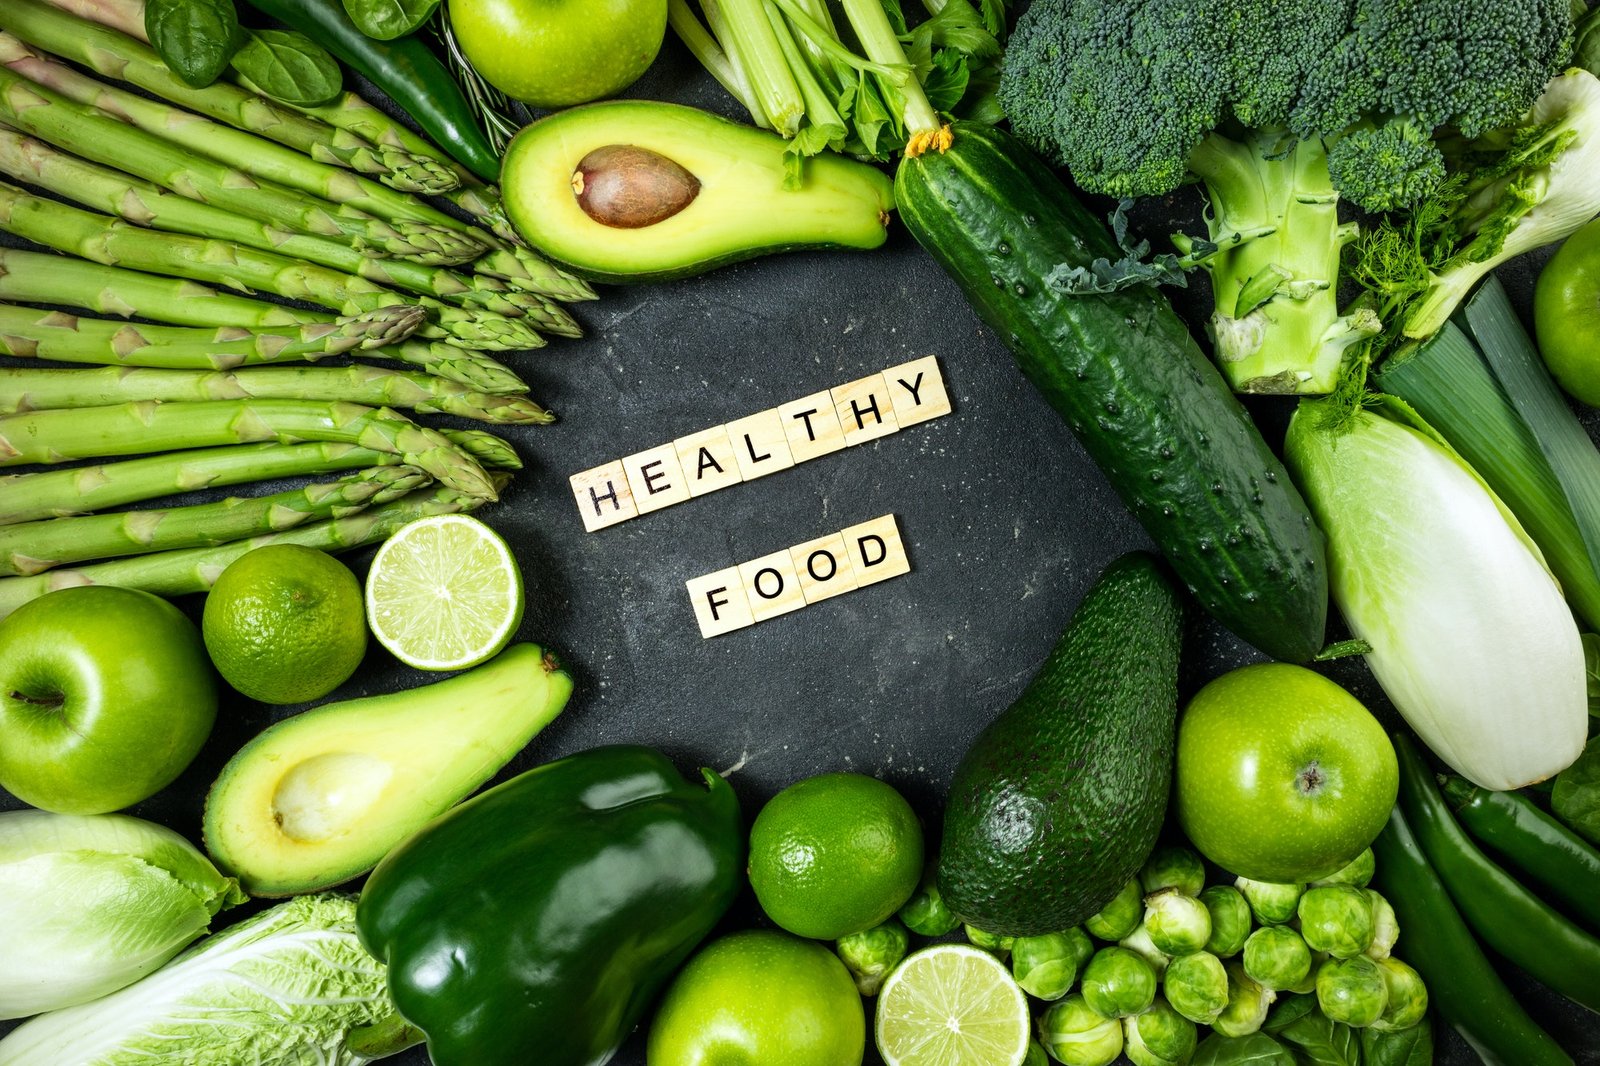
x=1006, y=520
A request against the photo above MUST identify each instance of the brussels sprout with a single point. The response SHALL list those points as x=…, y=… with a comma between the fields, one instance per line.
x=1276, y=957
x=1408, y=996
x=925, y=913
x=1196, y=986
x=1121, y=916
x=1177, y=924
x=1075, y=1035
x=1270, y=902
x=1352, y=991
x=991, y=942
x=1308, y=986
x=1230, y=920
x=1036, y=1055
x=1159, y=1037
x=1358, y=871
x=1177, y=868
x=1046, y=966
x=870, y=955
x=1248, y=1003
x=1082, y=947
x=1118, y=982
x=1139, y=943
x=1385, y=927
x=1337, y=919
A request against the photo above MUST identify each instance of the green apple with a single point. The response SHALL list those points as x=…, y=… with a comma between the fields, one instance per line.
x=1283, y=776
x=555, y=53
x=1566, y=314
x=760, y=998
x=106, y=695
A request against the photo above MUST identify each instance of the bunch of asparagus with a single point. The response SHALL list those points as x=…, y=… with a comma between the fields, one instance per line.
x=161, y=207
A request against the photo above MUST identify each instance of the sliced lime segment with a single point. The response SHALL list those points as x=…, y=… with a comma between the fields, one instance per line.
x=444, y=593
x=952, y=1005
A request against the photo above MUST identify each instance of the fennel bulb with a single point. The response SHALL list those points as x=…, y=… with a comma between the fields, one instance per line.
x=90, y=904
x=284, y=988
x=1470, y=636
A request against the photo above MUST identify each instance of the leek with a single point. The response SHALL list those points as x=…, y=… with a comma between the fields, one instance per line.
x=1470, y=636
x=1489, y=396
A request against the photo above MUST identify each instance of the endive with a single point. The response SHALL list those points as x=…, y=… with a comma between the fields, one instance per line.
x=1470, y=636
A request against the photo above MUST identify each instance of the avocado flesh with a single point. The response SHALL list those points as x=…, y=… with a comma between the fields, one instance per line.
x=741, y=210
x=1060, y=800
x=320, y=798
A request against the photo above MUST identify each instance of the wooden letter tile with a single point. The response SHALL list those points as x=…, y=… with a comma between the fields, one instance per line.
x=812, y=426
x=772, y=586
x=760, y=445
x=719, y=602
x=824, y=567
x=656, y=478
x=918, y=391
x=866, y=410
x=603, y=495
x=876, y=551
x=708, y=460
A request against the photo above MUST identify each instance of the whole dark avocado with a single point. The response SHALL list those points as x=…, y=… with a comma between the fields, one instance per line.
x=1059, y=801
x=537, y=922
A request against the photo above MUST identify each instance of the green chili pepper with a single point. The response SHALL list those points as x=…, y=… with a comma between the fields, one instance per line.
x=1557, y=859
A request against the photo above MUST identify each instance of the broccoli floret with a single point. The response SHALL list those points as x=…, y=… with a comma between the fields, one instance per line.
x=1387, y=167
x=1278, y=107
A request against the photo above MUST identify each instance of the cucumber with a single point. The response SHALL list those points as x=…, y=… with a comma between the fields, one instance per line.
x=1124, y=372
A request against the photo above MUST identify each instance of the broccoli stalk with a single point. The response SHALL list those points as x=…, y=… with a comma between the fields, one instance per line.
x=1275, y=293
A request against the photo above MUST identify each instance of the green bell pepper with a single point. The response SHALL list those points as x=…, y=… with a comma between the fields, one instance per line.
x=538, y=921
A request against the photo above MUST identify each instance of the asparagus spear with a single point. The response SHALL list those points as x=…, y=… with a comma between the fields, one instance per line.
x=34, y=277
x=143, y=427
x=33, y=547
x=81, y=489
x=110, y=49
x=253, y=155
x=177, y=573
x=106, y=240
x=44, y=390
x=492, y=452
x=32, y=334
x=95, y=135
x=33, y=161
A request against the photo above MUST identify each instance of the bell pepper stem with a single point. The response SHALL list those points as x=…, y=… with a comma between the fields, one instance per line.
x=381, y=1039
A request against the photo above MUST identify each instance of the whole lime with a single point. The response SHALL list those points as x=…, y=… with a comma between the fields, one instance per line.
x=284, y=624
x=760, y=998
x=835, y=854
x=555, y=53
x=1283, y=776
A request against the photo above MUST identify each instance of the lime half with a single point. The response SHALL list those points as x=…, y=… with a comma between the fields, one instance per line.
x=952, y=1005
x=444, y=593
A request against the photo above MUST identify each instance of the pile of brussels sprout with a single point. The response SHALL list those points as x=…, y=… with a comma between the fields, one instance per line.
x=1175, y=955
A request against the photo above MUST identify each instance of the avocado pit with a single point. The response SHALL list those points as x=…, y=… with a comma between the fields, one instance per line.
x=628, y=187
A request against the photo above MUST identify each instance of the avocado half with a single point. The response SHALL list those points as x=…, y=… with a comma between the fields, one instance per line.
x=635, y=190
x=319, y=798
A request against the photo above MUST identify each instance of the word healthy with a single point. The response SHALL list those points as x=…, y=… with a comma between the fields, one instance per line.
x=798, y=577
x=761, y=444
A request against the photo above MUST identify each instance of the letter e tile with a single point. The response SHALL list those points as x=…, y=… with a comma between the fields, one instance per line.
x=656, y=478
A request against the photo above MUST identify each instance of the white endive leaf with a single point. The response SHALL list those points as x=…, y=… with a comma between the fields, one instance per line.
x=1470, y=637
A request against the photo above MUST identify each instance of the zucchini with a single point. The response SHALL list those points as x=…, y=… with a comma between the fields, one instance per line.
x=406, y=70
x=1123, y=371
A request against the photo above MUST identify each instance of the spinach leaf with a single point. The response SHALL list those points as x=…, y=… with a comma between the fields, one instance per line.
x=290, y=67
x=387, y=19
x=1575, y=799
x=1318, y=1041
x=195, y=38
x=1408, y=1047
x=1289, y=1009
x=1591, y=659
x=1257, y=1049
